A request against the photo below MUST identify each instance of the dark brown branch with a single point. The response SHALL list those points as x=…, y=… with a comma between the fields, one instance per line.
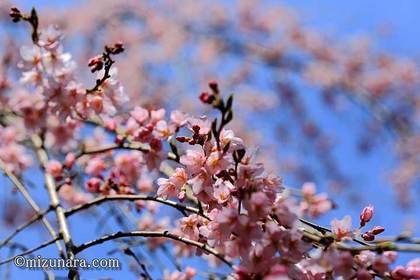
x=111, y=147
x=30, y=251
x=182, y=208
x=153, y=234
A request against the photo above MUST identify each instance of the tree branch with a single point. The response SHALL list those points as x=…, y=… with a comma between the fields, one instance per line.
x=30, y=251
x=153, y=234
x=55, y=202
x=182, y=208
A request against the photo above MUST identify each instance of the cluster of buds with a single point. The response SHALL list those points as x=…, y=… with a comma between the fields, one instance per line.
x=116, y=49
x=15, y=14
x=196, y=138
x=370, y=235
x=211, y=98
x=32, y=19
x=98, y=62
x=365, y=217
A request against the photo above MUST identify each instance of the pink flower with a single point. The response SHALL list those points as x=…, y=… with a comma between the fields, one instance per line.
x=222, y=191
x=193, y=160
x=50, y=38
x=95, y=166
x=189, y=226
x=342, y=228
x=258, y=205
x=228, y=136
x=172, y=187
x=97, y=104
x=202, y=123
x=162, y=130
x=308, y=189
x=366, y=215
x=167, y=188
x=178, y=118
x=145, y=185
x=139, y=114
x=216, y=162
x=157, y=115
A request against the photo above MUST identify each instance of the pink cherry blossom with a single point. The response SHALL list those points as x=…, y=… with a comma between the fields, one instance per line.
x=342, y=228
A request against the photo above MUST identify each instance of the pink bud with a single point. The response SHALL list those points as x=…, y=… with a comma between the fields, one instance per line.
x=96, y=63
x=119, y=139
x=70, y=159
x=366, y=215
x=363, y=274
x=391, y=256
x=377, y=230
x=368, y=236
x=118, y=47
x=181, y=139
x=111, y=124
x=54, y=168
x=156, y=144
x=97, y=104
x=214, y=86
x=93, y=185
x=400, y=272
x=190, y=272
x=207, y=98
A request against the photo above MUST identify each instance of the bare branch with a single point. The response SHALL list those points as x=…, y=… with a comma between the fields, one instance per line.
x=110, y=147
x=182, y=208
x=30, y=251
x=153, y=234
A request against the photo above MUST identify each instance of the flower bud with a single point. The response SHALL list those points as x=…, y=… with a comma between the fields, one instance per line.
x=156, y=144
x=15, y=14
x=368, y=236
x=54, y=168
x=118, y=48
x=400, y=272
x=96, y=63
x=206, y=98
x=214, y=86
x=119, y=139
x=69, y=161
x=366, y=215
x=93, y=185
x=181, y=139
x=377, y=230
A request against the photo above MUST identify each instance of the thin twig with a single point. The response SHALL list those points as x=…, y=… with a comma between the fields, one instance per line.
x=30, y=251
x=182, y=208
x=110, y=147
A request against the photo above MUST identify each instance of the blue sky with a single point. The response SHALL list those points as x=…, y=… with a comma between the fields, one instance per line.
x=341, y=19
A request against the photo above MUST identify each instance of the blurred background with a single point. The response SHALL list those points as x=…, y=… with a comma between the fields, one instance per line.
x=327, y=91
